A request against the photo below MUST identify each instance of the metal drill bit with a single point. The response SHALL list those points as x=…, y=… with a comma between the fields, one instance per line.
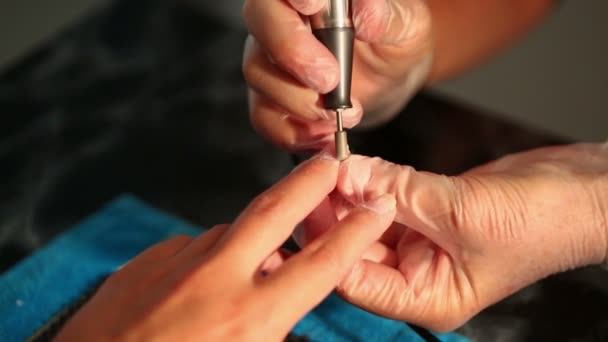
x=342, y=150
x=340, y=124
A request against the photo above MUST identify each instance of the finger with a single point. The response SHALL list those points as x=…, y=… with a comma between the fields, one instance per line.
x=290, y=43
x=317, y=223
x=309, y=276
x=204, y=242
x=426, y=202
x=271, y=218
x=416, y=257
x=385, y=291
x=326, y=215
x=161, y=251
x=375, y=287
x=391, y=22
x=281, y=129
x=281, y=88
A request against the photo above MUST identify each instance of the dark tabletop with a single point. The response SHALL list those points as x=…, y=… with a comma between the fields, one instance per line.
x=141, y=98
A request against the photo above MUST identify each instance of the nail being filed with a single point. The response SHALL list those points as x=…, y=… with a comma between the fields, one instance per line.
x=342, y=150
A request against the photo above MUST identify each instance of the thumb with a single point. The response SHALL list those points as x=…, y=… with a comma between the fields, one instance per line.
x=390, y=21
x=426, y=202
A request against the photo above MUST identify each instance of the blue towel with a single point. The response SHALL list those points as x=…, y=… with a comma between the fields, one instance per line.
x=44, y=285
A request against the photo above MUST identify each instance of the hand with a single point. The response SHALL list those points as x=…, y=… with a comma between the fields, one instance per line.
x=231, y=283
x=287, y=67
x=460, y=244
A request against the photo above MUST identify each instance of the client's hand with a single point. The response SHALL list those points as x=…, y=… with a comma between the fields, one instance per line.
x=231, y=284
x=460, y=244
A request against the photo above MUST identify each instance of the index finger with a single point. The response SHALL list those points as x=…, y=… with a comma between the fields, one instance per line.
x=310, y=275
x=271, y=218
x=286, y=37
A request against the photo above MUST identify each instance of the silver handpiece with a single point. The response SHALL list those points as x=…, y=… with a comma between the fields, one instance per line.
x=333, y=26
x=337, y=13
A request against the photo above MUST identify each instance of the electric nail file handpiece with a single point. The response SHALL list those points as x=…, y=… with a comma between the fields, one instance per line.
x=333, y=26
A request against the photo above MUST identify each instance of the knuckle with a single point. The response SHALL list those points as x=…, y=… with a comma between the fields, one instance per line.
x=252, y=73
x=161, y=249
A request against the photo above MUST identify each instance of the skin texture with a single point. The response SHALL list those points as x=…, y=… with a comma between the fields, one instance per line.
x=231, y=283
x=460, y=244
x=401, y=45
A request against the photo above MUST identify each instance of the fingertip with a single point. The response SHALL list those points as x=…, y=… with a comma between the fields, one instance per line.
x=353, y=116
x=322, y=162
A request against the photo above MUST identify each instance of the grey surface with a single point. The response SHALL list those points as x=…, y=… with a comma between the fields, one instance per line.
x=556, y=78
x=25, y=24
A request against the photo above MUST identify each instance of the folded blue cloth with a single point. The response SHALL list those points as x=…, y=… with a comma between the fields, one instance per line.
x=44, y=285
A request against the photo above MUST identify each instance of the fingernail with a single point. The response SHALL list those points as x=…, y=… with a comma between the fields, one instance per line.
x=351, y=117
x=381, y=205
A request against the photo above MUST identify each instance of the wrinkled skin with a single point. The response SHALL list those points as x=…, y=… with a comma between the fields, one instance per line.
x=231, y=283
x=287, y=68
x=460, y=244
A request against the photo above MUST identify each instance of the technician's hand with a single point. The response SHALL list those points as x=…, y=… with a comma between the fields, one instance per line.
x=287, y=68
x=460, y=244
x=231, y=284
